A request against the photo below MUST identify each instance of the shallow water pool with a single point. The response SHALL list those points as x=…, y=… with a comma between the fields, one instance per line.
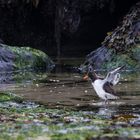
x=76, y=111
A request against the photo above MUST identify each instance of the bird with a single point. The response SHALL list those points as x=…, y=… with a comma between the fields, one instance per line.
x=104, y=86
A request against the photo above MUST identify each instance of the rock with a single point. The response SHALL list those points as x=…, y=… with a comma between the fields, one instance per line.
x=6, y=58
x=120, y=47
x=19, y=58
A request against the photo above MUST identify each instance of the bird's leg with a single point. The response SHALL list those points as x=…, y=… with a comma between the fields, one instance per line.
x=106, y=102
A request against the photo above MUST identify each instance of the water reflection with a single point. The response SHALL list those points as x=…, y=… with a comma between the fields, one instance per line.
x=107, y=112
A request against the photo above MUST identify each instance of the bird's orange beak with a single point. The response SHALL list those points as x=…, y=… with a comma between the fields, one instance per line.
x=85, y=77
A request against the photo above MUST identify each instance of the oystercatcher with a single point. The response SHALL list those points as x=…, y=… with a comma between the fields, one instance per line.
x=104, y=86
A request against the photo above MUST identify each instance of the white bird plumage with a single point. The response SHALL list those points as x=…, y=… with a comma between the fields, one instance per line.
x=103, y=87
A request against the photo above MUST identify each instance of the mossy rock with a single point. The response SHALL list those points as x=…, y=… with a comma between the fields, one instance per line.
x=4, y=97
x=107, y=58
x=136, y=53
x=121, y=46
x=122, y=60
x=20, y=58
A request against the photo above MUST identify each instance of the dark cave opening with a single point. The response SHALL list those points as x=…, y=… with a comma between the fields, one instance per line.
x=94, y=27
x=34, y=27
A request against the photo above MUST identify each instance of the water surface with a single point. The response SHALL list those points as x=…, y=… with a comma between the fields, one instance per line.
x=70, y=90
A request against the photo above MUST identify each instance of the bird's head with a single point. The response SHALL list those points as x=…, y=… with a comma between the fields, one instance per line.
x=90, y=73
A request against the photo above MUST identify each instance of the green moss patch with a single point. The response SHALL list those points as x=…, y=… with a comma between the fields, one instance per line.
x=26, y=57
x=121, y=60
x=31, y=121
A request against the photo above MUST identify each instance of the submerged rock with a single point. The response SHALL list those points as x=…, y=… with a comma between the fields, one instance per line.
x=19, y=58
x=120, y=47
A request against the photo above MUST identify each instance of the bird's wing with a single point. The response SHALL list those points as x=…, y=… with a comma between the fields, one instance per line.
x=108, y=88
x=113, y=76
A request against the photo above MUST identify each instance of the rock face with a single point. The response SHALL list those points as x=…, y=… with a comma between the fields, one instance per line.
x=122, y=46
x=19, y=58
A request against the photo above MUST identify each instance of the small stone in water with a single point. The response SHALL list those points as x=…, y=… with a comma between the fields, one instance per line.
x=37, y=85
x=85, y=91
x=78, y=105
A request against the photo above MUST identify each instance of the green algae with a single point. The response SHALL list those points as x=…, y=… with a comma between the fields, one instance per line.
x=8, y=96
x=130, y=59
x=121, y=60
x=39, y=121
